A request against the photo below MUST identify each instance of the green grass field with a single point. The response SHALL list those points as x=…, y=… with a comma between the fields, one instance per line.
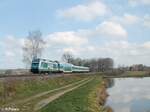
x=78, y=100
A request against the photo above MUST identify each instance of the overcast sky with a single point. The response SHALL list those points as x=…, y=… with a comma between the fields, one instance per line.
x=119, y=29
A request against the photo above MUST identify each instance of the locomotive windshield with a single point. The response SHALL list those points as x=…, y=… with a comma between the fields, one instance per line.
x=35, y=65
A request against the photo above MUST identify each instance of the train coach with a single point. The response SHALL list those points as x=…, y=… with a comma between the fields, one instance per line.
x=48, y=66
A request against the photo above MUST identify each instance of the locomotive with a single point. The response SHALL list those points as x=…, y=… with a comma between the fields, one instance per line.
x=48, y=66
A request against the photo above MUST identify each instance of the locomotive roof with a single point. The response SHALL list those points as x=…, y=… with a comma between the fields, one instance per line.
x=42, y=60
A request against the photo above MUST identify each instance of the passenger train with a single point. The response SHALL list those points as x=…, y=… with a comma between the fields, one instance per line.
x=48, y=66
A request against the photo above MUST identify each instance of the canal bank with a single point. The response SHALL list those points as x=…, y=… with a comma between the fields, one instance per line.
x=103, y=95
x=99, y=95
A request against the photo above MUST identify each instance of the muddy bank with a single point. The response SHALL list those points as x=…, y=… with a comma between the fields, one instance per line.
x=102, y=95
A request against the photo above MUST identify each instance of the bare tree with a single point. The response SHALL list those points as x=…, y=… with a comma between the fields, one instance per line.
x=33, y=47
x=77, y=61
x=67, y=57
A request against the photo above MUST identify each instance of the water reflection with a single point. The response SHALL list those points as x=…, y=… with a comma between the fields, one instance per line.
x=142, y=105
x=130, y=95
x=111, y=83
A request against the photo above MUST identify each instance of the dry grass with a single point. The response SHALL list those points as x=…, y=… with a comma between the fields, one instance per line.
x=98, y=96
x=12, y=89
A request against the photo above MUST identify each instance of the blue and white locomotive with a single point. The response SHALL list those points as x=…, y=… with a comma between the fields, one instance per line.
x=48, y=66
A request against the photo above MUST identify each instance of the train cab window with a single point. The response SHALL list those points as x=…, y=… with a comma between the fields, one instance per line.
x=35, y=64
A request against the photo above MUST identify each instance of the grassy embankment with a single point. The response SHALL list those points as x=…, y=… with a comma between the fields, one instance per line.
x=12, y=90
x=136, y=73
x=87, y=98
x=127, y=74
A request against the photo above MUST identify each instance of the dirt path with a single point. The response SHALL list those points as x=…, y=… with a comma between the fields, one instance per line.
x=44, y=102
x=47, y=92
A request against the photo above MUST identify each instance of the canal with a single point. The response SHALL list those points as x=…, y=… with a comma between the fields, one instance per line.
x=129, y=95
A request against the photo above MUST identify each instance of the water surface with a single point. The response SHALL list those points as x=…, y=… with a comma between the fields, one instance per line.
x=130, y=95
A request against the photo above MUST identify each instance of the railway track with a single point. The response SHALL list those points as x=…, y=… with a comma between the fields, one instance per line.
x=28, y=75
x=31, y=75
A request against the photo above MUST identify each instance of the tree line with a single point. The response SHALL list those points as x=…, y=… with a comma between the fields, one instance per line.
x=135, y=67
